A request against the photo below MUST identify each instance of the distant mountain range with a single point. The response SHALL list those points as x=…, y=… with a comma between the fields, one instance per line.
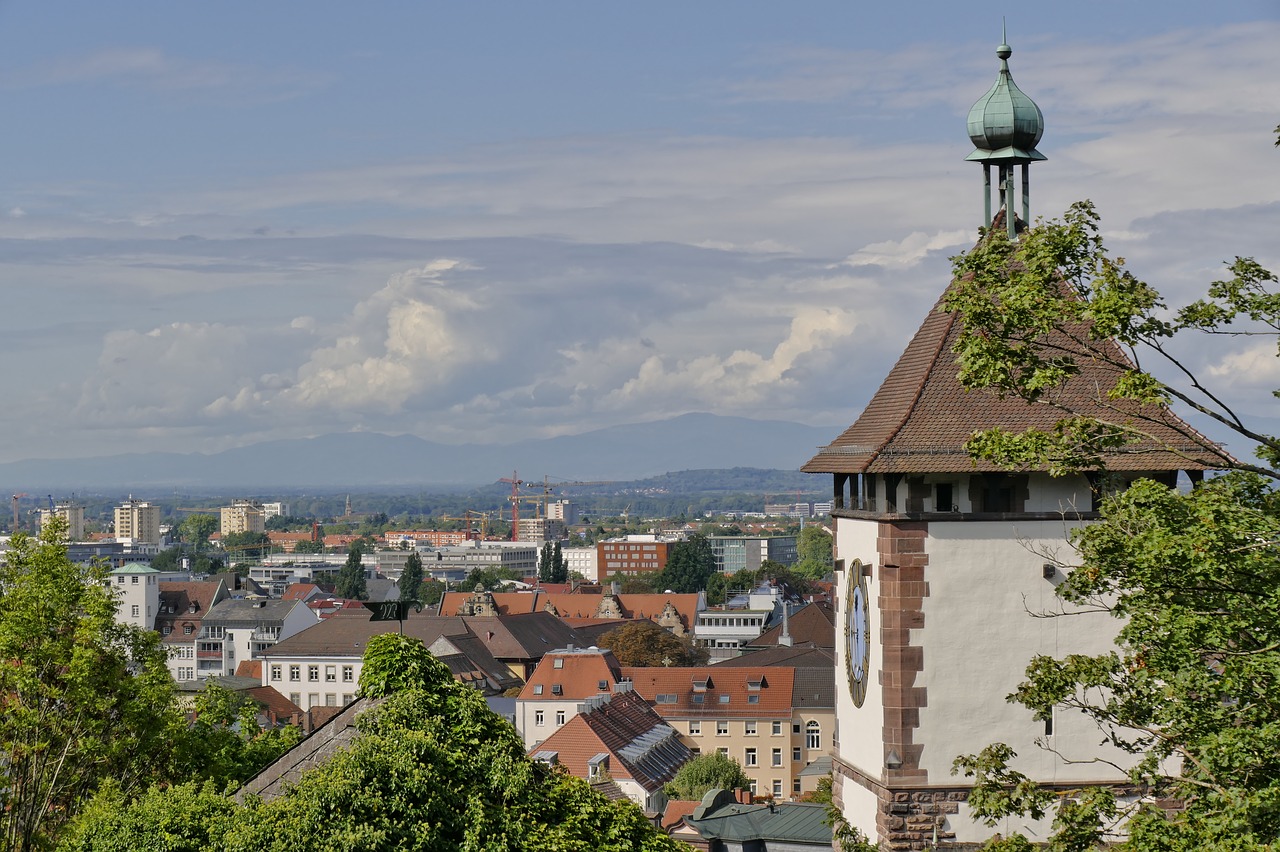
x=369, y=460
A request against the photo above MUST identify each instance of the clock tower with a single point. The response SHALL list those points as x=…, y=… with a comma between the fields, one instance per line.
x=943, y=562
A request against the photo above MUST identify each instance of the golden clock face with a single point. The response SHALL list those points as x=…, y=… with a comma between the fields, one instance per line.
x=857, y=633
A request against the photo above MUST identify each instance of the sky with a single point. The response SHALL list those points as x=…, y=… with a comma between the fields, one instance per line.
x=225, y=223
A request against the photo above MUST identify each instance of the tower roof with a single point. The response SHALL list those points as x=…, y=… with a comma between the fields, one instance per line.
x=1005, y=125
x=921, y=417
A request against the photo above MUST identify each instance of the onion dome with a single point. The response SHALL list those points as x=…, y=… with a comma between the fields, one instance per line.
x=1005, y=125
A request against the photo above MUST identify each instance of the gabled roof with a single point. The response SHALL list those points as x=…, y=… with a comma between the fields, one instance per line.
x=720, y=817
x=580, y=604
x=177, y=600
x=579, y=676
x=640, y=745
x=814, y=623
x=699, y=691
x=804, y=655
x=920, y=418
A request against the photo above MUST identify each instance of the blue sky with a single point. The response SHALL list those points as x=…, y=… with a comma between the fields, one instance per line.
x=230, y=222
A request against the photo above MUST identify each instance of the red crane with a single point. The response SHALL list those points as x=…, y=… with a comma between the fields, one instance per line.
x=515, y=502
x=16, y=498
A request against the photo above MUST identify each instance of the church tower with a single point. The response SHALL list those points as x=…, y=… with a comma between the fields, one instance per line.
x=942, y=562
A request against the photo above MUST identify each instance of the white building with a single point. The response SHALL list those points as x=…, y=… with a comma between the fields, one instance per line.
x=242, y=516
x=942, y=562
x=584, y=561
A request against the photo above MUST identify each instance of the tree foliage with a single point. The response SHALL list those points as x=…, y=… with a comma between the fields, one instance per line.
x=225, y=742
x=432, y=769
x=712, y=771
x=1192, y=687
x=84, y=698
x=411, y=578
x=1033, y=311
x=196, y=529
x=815, y=551
x=690, y=564
x=351, y=582
x=643, y=643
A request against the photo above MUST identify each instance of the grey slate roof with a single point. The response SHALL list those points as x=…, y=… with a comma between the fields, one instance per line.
x=248, y=611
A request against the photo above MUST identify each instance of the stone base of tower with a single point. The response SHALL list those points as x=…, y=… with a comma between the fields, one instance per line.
x=904, y=819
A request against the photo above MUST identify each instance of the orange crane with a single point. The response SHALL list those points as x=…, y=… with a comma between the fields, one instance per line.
x=473, y=532
x=16, y=519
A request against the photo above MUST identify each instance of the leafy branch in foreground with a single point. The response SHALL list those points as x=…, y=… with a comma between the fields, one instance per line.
x=1036, y=311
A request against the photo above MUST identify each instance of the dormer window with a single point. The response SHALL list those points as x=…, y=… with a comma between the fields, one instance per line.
x=702, y=684
x=537, y=689
x=557, y=689
x=559, y=663
x=757, y=684
x=603, y=685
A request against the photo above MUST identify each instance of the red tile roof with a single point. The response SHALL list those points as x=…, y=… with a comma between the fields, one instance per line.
x=920, y=418
x=579, y=676
x=712, y=692
x=640, y=745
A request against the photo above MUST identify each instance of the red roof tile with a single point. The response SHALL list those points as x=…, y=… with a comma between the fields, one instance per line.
x=920, y=418
x=710, y=691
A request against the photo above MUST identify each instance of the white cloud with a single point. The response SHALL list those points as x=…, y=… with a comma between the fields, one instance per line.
x=907, y=252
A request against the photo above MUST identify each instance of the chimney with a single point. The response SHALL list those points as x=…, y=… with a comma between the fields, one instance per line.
x=785, y=638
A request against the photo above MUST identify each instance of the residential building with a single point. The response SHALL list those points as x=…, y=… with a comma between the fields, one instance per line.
x=194, y=652
x=675, y=612
x=562, y=510
x=633, y=554
x=137, y=521
x=759, y=716
x=942, y=561
x=69, y=511
x=563, y=680
x=615, y=739
x=539, y=530
x=248, y=626
x=320, y=666
x=242, y=516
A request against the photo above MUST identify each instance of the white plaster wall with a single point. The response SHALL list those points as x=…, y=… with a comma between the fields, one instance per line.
x=860, y=728
x=1058, y=494
x=985, y=581
x=969, y=830
x=859, y=806
x=532, y=733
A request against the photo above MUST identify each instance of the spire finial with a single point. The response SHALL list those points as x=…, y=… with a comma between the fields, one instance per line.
x=1004, y=51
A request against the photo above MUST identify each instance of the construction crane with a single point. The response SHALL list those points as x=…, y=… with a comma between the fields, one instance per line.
x=16, y=520
x=466, y=518
x=515, y=483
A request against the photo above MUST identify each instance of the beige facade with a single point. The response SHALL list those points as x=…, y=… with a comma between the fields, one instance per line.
x=70, y=512
x=242, y=516
x=137, y=520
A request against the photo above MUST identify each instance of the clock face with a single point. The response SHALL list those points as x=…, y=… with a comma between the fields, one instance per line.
x=857, y=634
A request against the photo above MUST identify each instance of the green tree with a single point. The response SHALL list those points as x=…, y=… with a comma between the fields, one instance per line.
x=84, y=698
x=634, y=584
x=309, y=547
x=1032, y=311
x=712, y=771
x=717, y=587
x=492, y=579
x=430, y=592
x=545, y=569
x=351, y=582
x=1193, y=683
x=642, y=643
x=411, y=578
x=432, y=769
x=167, y=560
x=196, y=529
x=225, y=741
x=246, y=544
x=690, y=564
x=559, y=570
x=814, y=548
